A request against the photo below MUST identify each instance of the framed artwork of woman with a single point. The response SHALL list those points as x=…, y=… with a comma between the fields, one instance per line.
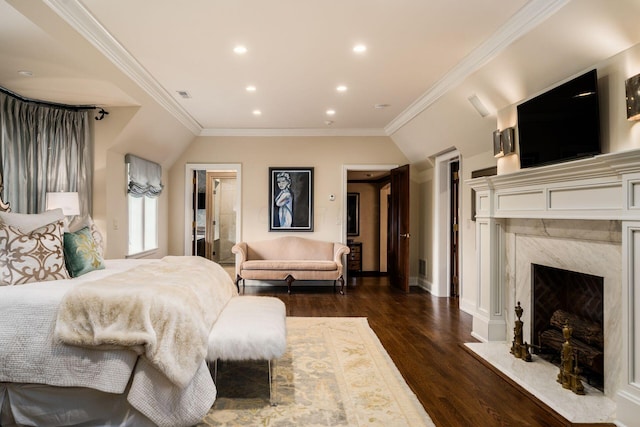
x=290, y=199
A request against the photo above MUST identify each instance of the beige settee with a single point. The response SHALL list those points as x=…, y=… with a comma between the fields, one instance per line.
x=290, y=258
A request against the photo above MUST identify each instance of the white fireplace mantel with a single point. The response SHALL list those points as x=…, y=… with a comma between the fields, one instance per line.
x=604, y=187
x=601, y=187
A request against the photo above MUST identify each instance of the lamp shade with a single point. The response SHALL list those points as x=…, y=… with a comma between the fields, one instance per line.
x=67, y=201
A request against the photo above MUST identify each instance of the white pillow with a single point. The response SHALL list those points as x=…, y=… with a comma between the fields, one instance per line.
x=35, y=256
x=29, y=222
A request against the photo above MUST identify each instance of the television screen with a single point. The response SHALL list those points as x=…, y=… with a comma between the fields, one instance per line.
x=561, y=124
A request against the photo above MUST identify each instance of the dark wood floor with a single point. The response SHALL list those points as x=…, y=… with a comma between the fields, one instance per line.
x=424, y=335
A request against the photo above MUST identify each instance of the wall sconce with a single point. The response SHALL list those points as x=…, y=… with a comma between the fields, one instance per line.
x=632, y=86
x=504, y=142
x=67, y=201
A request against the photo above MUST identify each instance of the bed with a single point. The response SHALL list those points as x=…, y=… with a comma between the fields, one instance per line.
x=122, y=344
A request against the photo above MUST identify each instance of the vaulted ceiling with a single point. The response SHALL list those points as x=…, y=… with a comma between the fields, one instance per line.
x=422, y=61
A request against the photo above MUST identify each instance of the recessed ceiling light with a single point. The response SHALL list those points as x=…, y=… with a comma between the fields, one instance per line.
x=184, y=94
x=25, y=73
x=331, y=112
x=257, y=112
x=341, y=88
x=240, y=49
x=359, y=48
x=380, y=106
x=251, y=88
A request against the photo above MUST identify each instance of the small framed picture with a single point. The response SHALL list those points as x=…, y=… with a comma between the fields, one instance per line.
x=290, y=199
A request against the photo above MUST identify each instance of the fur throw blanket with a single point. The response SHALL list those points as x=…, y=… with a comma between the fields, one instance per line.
x=163, y=310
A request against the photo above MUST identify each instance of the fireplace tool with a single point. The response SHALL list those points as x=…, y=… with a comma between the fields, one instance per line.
x=519, y=348
x=569, y=375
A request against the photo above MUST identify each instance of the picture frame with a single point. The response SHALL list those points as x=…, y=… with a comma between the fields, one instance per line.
x=290, y=199
x=353, y=214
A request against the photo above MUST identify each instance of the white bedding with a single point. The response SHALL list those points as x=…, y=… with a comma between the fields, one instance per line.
x=29, y=354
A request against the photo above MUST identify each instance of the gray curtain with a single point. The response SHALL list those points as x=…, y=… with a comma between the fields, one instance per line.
x=44, y=148
x=145, y=177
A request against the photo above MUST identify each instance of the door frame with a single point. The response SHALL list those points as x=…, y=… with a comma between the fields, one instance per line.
x=442, y=224
x=188, y=196
x=345, y=170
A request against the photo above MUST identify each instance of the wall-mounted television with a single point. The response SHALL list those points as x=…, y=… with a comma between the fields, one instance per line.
x=561, y=124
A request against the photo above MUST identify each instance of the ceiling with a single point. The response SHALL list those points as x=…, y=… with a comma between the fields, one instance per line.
x=298, y=53
x=423, y=60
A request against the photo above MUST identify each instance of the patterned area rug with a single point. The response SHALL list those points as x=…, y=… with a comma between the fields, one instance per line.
x=335, y=373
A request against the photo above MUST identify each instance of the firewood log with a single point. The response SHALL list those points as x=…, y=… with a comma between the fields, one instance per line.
x=588, y=356
x=583, y=329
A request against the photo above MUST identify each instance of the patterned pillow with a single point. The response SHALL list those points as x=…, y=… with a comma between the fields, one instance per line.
x=81, y=252
x=86, y=221
x=37, y=256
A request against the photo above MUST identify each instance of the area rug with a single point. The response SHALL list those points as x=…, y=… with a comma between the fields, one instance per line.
x=335, y=373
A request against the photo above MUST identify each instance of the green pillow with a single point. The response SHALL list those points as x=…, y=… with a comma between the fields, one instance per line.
x=81, y=253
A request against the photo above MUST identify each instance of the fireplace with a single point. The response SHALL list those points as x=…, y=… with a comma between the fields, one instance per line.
x=580, y=216
x=562, y=297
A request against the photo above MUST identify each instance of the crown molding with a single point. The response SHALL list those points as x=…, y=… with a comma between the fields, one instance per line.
x=292, y=132
x=80, y=19
x=523, y=21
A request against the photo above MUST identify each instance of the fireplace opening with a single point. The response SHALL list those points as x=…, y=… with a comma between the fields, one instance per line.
x=562, y=296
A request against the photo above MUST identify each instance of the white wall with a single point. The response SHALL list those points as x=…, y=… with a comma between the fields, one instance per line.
x=326, y=155
x=131, y=130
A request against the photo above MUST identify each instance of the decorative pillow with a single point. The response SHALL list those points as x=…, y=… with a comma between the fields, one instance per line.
x=82, y=253
x=37, y=256
x=29, y=222
x=86, y=221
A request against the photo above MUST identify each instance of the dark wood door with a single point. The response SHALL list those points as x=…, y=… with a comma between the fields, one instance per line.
x=399, y=229
x=454, y=206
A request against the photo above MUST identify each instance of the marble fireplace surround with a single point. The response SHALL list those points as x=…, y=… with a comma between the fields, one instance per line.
x=569, y=245
x=582, y=216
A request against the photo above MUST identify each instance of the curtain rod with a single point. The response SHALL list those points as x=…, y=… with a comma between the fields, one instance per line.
x=47, y=103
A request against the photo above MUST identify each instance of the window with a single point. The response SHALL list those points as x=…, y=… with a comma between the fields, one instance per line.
x=143, y=224
x=144, y=186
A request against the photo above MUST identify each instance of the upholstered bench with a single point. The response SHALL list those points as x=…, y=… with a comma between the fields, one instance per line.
x=250, y=328
x=290, y=258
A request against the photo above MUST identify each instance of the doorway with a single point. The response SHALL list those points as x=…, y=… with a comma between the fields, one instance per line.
x=215, y=217
x=368, y=194
x=212, y=211
x=444, y=259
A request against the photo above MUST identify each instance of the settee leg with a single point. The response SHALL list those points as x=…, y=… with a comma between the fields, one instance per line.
x=238, y=278
x=341, y=280
x=289, y=279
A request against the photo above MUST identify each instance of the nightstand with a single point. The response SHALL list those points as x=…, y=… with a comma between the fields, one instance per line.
x=354, y=258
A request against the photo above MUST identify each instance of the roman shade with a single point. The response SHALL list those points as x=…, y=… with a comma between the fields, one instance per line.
x=145, y=177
